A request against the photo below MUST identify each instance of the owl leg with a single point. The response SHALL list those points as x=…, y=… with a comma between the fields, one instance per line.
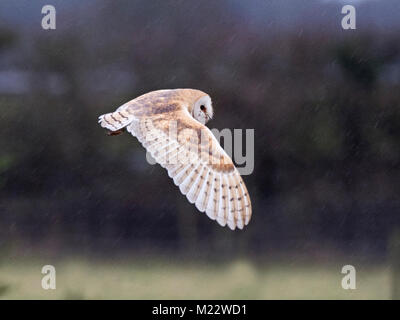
x=116, y=132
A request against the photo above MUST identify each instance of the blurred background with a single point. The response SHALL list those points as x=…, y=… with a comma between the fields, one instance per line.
x=324, y=103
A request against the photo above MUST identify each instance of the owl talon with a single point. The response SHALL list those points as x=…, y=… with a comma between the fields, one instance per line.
x=115, y=133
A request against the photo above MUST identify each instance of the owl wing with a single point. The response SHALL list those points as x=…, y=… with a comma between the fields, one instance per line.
x=192, y=156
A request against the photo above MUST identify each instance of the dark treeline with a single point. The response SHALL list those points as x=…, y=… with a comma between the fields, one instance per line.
x=324, y=104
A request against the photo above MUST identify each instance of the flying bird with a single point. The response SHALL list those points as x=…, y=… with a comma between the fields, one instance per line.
x=170, y=124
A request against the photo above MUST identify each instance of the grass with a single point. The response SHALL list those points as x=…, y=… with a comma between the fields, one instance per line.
x=159, y=279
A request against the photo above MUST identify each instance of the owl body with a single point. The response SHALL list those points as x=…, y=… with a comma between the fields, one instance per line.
x=170, y=124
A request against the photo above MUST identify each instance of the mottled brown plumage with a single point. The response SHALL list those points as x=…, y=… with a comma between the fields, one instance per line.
x=170, y=124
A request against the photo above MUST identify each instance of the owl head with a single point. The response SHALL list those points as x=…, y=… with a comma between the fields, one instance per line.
x=202, y=109
x=199, y=104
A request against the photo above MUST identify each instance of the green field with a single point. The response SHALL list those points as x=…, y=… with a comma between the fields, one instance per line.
x=163, y=279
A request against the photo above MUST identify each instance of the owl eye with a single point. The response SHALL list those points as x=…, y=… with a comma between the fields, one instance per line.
x=202, y=108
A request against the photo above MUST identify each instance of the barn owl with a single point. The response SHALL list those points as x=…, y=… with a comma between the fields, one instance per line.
x=170, y=124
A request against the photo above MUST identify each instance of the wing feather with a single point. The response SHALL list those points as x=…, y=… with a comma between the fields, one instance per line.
x=196, y=187
x=201, y=197
x=240, y=198
x=232, y=199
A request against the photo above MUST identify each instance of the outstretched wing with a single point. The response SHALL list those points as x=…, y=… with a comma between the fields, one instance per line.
x=191, y=154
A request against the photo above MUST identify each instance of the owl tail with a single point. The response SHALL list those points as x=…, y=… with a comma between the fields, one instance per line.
x=115, y=121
